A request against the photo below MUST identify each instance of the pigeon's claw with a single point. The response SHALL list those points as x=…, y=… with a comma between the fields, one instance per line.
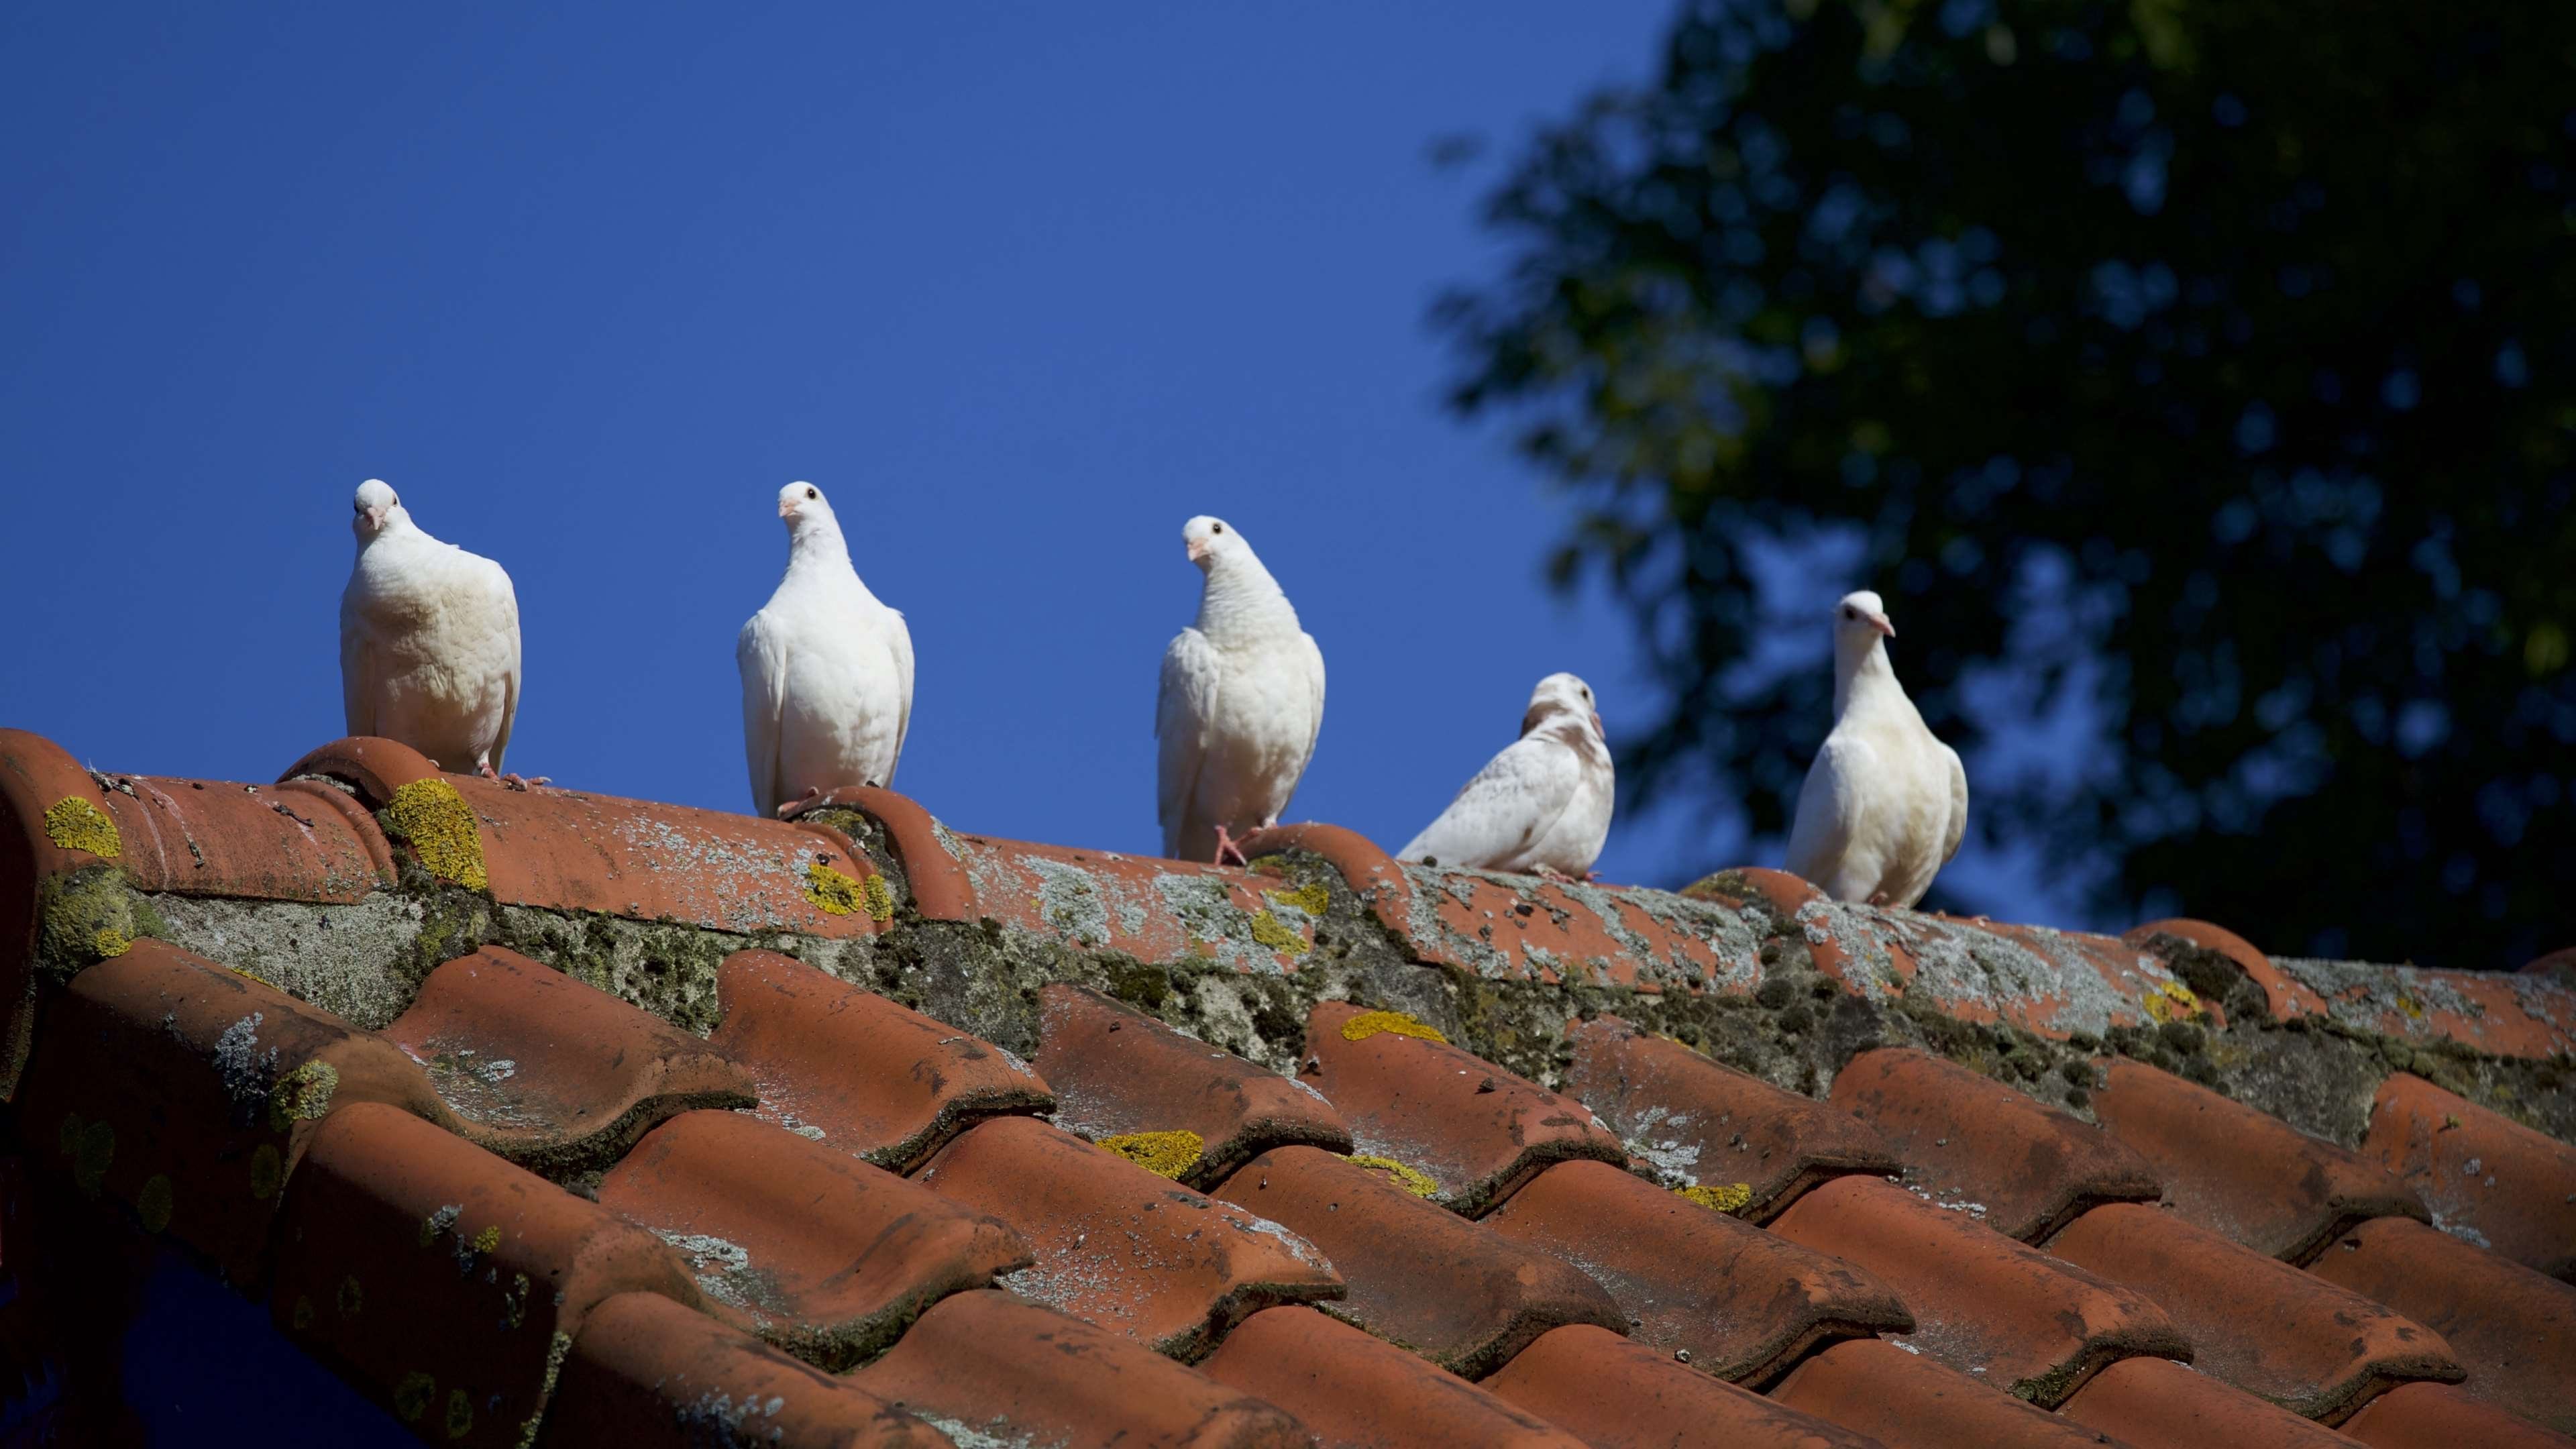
x=1549, y=872
x=515, y=783
x=1225, y=846
x=812, y=792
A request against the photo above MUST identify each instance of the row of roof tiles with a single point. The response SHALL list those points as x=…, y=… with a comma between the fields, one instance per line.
x=1490, y=1263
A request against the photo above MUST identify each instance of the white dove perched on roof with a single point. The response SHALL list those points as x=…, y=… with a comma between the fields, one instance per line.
x=1885, y=802
x=1241, y=702
x=826, y=669
x=429, y=642
x=1540, y=806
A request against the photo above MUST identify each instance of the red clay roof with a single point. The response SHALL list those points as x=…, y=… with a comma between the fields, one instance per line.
x=548, y=1117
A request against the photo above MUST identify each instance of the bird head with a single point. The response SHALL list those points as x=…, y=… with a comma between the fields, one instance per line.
x=1562, y=695
x=378, y=508
x=1209, y=539
x=1860, y=620
x=805, y=509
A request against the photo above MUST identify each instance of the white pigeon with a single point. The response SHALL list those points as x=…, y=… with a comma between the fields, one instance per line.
x=1241, y=702
x=1885, y=803
x=826, y=669
x=1542, y=806
x=429, y=642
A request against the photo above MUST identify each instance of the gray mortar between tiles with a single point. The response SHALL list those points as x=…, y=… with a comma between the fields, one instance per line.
x=364, y=963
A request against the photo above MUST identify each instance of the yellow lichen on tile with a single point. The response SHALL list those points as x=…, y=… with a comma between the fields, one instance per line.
x=302, y=1095
x=75, y=824
x=488, y=1239
x=110, y=943
x=1164, y=1154
x=440, y=826
x=832, y=893
x=1412, y=1179
x=2170, y=1001
x=1720, y=1197
x=880, y=899
x=1369, y=1023
x=1271, y=932
x=1311, y=898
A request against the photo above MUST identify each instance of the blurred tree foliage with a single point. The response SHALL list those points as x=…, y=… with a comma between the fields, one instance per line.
x=2207, y=370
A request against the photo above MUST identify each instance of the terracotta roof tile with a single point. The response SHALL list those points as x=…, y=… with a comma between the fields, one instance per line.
x=1983, y=1303
x=1352, y=1389
x=1616, y=1394
x=550, y=1072
x=1462, y=1296
x=2256, y=1322
x=820, y=1254
x=567, y=850
x=2514, y=1330
x=1115, y=1244
x=1871, y=1386
x=189, y=1093
x=1121, y=1074
x=2438, y=1416
x=1697, y=1123
x=1977, y=1145
x=443, y=1282
x=1475, y=1130
x=2243, y=1172
x=992, y=1364
x=2154, y=1403
x=2485, y=1177
x=857, y=1072
x=633, y=998
x=646, y=1373
x=1743, y=1303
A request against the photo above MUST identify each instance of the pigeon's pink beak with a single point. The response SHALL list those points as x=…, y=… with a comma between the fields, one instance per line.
x=1196, y=548
x=786, y=509
x=375, y=518
x=1879, y=622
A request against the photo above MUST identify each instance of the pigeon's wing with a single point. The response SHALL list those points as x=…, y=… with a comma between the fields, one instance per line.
x=761, y=653
x=509, y=599
x=1958, y=804
x=359, y=687
x=1504, y=809
x=1314, y=676
x=900, y=643
x=1829, y=806
x=1183, y=705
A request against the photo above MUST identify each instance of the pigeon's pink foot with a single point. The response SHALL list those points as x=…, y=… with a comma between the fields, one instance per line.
x=515, y=783
x=1878, y=898
x=812, y=792
x=1549, y=872
x=1225, y=846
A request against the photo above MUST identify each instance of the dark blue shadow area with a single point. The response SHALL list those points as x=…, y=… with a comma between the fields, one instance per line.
x=203, y=1366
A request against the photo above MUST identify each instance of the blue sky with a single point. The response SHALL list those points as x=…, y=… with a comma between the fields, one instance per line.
x=1021, y=292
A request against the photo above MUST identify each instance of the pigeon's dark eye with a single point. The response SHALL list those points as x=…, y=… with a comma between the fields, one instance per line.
x=1848, y=614
x=810, y=493
x=1219, y=528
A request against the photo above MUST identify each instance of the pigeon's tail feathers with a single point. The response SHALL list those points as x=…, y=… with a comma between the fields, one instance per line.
x=899, y=639
x=1504, y=809
x=510, y=681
